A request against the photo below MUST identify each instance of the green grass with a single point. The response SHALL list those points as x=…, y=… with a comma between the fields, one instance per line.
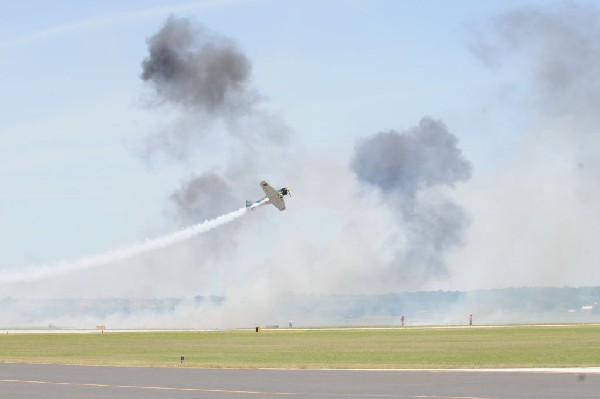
x=518, y=346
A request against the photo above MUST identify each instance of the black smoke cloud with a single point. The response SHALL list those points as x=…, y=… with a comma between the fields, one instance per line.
x=424, y=156
x=189, y=66
x=411, y=169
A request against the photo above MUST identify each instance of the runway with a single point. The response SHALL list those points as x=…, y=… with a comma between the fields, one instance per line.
x=88, y=382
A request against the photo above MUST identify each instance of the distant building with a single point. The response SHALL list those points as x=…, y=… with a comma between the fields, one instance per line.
x=587, y=309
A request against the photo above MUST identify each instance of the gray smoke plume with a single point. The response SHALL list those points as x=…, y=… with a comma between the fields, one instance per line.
x=411, y=169
x=203, y=196
x=547, y=60
x=421, y=157
x=206, y=77
x=560, y=52
x=194, y=68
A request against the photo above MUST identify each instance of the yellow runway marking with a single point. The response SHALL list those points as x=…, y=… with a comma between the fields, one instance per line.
x=450, y=397
x=75, y=384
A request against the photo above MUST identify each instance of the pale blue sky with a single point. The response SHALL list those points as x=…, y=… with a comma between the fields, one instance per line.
x=73, y=104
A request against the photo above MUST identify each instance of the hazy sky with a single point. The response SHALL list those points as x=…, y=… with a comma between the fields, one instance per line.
x=512, y=81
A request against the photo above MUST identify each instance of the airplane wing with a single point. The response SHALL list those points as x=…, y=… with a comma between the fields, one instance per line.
x=275, y=197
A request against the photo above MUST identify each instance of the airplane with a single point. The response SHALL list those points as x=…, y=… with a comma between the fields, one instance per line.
x=275, y=197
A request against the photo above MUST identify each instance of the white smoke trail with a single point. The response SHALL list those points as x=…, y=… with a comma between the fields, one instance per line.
x=39, y=272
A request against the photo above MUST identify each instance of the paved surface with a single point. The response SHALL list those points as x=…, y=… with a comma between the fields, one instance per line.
x=19, y=381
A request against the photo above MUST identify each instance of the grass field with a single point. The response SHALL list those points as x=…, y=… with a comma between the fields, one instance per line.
x=513, y=346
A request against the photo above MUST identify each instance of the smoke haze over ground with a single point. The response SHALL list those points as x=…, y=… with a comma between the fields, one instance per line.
x=418, y=208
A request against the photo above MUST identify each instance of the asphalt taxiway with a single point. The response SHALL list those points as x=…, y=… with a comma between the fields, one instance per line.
x=89, y=382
